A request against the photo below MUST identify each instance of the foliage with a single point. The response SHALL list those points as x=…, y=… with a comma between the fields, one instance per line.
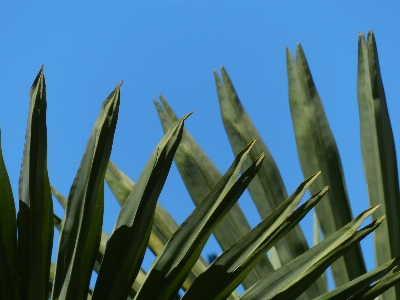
x=26, y=270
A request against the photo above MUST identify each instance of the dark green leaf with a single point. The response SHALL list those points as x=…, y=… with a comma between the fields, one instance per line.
x=183, y=249
x=81, y=226
x=103, y=242
x=35, y=215
x=380, y=287
x=229, y=269
x=128, y=242
x=361, y=283
x=200, y=175
x=164, y=225
x=9, y=279
x=291, y=280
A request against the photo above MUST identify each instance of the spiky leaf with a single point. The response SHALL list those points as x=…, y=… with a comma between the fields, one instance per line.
x=317, y=150
x=81, y=229
x=378, y=153
x=267, y=189
x=128, y=242
x=35, y=215
x=229, y=269
x=183, y=249
x=200, y=175
x=164, y=225
x=361, y=284
x=291, y=280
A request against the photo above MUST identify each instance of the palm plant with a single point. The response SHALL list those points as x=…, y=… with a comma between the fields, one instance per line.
x=292, y=270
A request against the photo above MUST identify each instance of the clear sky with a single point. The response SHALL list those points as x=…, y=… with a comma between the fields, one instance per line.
x=171, y=48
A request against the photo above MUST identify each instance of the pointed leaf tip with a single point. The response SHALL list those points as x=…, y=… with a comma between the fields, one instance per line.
x=187, y=115
x=251, y=144
x=216, y=77
x=260, y=159
x=299, y=47
x=119, y=84
x=289, y=54
x=315, y=175
x=374, y=208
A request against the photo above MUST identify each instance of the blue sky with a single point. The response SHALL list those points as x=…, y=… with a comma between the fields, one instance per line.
x=171, y=48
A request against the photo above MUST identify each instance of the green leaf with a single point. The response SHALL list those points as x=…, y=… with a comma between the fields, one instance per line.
x=127, y=244
x=183, y=249
x=35, y=215
x=103, y=242
x=120, y=184
x=200, y=175
x=378, y=152
x=81, y=226
x=51, y=278
x=164, y=225
x=60, y=198
x=228, y=270
x=380, y=287
x=360, y=284
x=291, y=280
x=9, y=280
x=317, y=150
x=317, y=240
x=267, y=189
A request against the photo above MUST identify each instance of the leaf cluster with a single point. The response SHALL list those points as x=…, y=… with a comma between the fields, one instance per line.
x=291, y=269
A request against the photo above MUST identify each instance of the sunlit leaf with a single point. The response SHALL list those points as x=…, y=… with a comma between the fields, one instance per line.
x=200, y=175
x=128, y=242
x=317, y=150
x=183, y=249
x=378, y=153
